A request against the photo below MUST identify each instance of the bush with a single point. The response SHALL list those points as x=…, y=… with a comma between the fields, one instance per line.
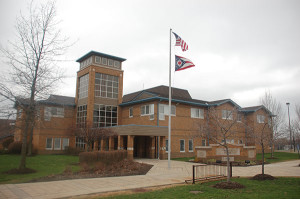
x=15, y=147
x=7, y=142
x=106, y=157
x=71, y=151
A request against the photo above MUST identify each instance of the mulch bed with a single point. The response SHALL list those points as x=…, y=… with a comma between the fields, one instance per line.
x=122, y=168
x=263, y=177
x=228, y=185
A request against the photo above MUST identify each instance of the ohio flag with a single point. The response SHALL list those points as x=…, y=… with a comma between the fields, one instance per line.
x=180, y=42
x=182, y=63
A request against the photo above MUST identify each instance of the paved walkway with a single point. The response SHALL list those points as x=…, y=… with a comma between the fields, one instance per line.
x=157, y=176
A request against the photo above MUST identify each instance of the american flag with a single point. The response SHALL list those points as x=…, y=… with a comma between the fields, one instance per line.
x=180, y=42
x=182, y=63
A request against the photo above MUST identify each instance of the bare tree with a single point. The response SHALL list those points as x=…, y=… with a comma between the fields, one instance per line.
x=278, y=117
x=32, y=59
x=221, y=128
x=91, y=134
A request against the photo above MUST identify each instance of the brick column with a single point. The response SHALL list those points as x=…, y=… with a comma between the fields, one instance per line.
x=120, y=143
x=130, y=146
x=162, y=148
x=152, y=147
x=102, y=145
x=96, y=145
x=111, y=143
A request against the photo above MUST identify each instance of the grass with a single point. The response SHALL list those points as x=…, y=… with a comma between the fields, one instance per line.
x=184, y=159
x=44, y=165
x=279, y=188
x=280, y=157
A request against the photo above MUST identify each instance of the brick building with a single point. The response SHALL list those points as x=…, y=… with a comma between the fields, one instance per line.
x=139, y=119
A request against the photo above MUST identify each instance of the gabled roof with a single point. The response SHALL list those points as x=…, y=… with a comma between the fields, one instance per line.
x=253, y=109
x=223, y=101
x=59, y=100
x=52, y=100
x=159, y=91
x=91, y=53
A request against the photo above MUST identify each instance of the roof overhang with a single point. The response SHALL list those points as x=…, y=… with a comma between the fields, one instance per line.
x=140, y=130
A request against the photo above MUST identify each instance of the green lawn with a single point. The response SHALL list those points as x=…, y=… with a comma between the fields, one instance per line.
x=279, y=188
x=280, y=157
x=44, y=165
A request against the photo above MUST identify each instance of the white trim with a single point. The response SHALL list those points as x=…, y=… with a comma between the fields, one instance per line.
x=51, y=144
x=192, y=145
x=55, y=148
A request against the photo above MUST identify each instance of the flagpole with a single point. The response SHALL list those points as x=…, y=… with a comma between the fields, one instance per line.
x=170, y=98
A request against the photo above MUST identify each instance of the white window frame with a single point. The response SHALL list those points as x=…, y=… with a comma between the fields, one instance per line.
x=183, y=145
x=167, y=145
x=227, y=115
x=47, y=144
x=204, y=142
x=54, y=147
x=164, y=111
x=197, y=113
x=260, y=119
x=110, y=62
x=161, y=112
x=150, y=109
x=190, y=145
x=130, y=112
x=104, y=61
x=99, y=60
x=239, y=117
x=117, y=64
x=63, y=144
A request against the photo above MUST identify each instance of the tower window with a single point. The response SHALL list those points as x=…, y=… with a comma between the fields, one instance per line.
x=106, y=86
x=83, y=86
x=104, y=61
x=110, y=62
x=97, y=60
x=105, y=115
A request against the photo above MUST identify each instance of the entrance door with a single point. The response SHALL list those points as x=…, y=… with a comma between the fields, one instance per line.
x=141, y=147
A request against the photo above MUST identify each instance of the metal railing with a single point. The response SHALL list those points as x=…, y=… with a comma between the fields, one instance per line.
x=208, y=172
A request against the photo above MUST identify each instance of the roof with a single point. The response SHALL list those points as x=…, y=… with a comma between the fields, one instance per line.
x=161, y=91
x=252, y=109
x=91, y=53
x=52, y=100
x=59, y=100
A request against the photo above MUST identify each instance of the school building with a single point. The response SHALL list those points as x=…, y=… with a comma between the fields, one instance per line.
x=139, y=119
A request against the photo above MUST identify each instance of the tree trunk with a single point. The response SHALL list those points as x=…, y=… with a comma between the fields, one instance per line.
x=29, y=153
x=263, y=161
x=228, y=165
x=22, y=164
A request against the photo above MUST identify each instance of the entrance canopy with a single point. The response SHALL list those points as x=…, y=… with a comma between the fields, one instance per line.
x=140, y=130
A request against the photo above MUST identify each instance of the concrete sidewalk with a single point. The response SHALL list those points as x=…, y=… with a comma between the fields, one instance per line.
x=157, y=176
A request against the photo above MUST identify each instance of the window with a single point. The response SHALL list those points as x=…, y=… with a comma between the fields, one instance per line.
x=65, y=143
x=85, y=63
x=227, y=115
x=239, y=117
x=260, y=118
x=81, y=115
x=20, y=113
x=147, y=109
x=53, y=112
x=49, y=143
x=57, y=144
x=270, y=122
x=116, y=64
x=229, y=141
x=106, y=86
x=97, y=60
x=104, y=61
x=105, y=115
x=110, y=62
x=164, y=110
x=80, y=143
x=83, y=86
x=131, y=112
x=197, y=113
x=167, y=145
x=203, y=142
x=191, y=146
x=182, y=145
x=240, y=141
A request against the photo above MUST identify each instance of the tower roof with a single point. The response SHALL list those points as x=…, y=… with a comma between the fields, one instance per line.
x=91, y=53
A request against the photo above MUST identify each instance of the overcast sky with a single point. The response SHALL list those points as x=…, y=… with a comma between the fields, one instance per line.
x=240, y=48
